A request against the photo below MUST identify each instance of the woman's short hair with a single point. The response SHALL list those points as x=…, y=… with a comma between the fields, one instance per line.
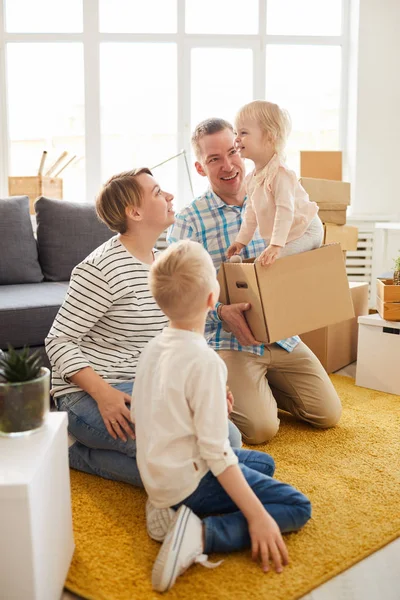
x=272, y=120
x=118, y=193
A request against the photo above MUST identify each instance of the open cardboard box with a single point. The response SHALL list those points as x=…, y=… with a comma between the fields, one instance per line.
x=296, y=294
x=336, y=345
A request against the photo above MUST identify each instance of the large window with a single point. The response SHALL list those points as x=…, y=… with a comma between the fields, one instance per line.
x=122, y=83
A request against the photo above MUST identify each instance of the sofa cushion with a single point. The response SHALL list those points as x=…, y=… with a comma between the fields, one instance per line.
x=67, y=232
x=18, y=250
x=27, y=312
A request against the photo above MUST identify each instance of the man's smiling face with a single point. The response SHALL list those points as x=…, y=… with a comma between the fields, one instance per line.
x=222, y=164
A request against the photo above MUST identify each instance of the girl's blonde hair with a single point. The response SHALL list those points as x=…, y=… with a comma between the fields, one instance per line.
x=274, y=121
x=118, y=193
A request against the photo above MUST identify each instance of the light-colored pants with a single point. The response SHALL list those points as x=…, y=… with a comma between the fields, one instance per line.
x=312, y=238
x=292, y=381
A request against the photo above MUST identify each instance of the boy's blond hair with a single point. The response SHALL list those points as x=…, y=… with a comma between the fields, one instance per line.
x=118, y=193
x=273, y=121
x=181, y=279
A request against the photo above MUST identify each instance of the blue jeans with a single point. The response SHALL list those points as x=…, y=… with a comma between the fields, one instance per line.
x=95, y=451
x=228, y=531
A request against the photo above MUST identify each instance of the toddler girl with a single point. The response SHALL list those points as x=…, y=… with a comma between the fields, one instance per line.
x=277, y=204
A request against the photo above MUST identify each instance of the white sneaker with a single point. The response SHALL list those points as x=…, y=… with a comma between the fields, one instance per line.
x=158, y=521
x=182, y=547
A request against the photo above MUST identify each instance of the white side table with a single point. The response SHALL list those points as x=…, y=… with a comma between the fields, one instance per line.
x=36, y=538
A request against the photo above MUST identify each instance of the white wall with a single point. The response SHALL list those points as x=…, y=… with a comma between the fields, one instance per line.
x=374, y=108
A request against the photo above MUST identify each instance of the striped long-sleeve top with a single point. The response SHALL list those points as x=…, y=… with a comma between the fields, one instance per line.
x=106, y=319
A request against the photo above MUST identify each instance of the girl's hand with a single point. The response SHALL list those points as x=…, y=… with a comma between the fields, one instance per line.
x=235, y=248
x=267, y=543
x=112, y=405
x=269, y=255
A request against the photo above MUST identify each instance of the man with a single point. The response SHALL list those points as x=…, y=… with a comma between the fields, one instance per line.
x=262, y=378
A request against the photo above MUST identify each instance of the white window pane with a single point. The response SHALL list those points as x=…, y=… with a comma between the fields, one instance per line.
x=306, y=81
x=48, y=115
x=219, y=92
x=139, y=108
x=137, y=16
x=222, y=16
x=44, y=16
x=305, y=17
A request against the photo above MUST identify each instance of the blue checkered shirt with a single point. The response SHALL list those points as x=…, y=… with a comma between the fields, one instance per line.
x=215, y=225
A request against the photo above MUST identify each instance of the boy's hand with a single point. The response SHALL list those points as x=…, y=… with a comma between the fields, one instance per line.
x=235, y=248
x=269, y=255
x=267, y=543
x=229, y=400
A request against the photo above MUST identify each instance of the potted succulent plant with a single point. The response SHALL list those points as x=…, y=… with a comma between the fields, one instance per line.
x=24, y=392
x=396, y=274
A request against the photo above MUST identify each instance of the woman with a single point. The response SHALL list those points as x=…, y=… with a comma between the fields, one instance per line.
x=105, y=321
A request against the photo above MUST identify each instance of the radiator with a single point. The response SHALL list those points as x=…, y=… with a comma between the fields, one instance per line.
x=359, y=262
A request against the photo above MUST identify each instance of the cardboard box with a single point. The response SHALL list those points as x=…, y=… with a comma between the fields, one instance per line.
x=34, y=187
x=378, y=350
x=336, y=346
x=321, y=164
x=388, y=299
x=296, y=294
x=345, y=235
x=332, y=197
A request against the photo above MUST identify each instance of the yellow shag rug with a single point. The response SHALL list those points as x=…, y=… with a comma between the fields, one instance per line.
x=351, y=474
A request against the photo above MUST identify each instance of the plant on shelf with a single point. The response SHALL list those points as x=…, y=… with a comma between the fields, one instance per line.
x=24, y=392
x=396, y=274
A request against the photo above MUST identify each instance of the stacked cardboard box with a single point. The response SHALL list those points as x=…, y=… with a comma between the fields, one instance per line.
x=321, y=177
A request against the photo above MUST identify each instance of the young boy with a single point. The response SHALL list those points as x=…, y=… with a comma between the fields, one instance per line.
x=179, y=406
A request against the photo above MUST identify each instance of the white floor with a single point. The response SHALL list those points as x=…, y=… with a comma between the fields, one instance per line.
x=374, y=578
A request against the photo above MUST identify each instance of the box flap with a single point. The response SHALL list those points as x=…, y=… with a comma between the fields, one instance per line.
x=223, y=290
x=304, y=292
x=325, y=191
x=241, y=280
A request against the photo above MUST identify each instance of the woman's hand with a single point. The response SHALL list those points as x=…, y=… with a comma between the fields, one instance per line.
x=269, y=255
x=229, y=400
x=235, y=248
x=112, y=405
x=267, y=542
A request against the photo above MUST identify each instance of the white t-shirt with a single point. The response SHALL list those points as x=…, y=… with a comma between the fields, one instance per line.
x=180, y=410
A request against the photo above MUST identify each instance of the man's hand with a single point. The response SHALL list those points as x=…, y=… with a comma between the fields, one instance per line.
x=232, y=315
x=267, y=543
x=112, y=405
x=235, y=248
x=269, y=255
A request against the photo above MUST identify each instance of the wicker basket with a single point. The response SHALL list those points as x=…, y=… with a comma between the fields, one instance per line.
x=34, y=187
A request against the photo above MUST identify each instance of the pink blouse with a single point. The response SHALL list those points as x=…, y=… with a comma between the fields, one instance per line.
x=277, y=204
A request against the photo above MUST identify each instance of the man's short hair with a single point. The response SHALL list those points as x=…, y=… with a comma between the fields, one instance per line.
x=208, y=127
x=181, y=279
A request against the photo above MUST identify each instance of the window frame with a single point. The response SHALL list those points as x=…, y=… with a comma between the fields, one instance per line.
x=91, y=39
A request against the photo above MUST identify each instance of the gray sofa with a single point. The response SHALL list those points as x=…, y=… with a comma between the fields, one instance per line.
x=34, y=272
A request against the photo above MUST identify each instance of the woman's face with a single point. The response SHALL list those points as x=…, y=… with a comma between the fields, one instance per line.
x=156, y=208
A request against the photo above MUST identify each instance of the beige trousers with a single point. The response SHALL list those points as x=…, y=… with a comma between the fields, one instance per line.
x=292, y=381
